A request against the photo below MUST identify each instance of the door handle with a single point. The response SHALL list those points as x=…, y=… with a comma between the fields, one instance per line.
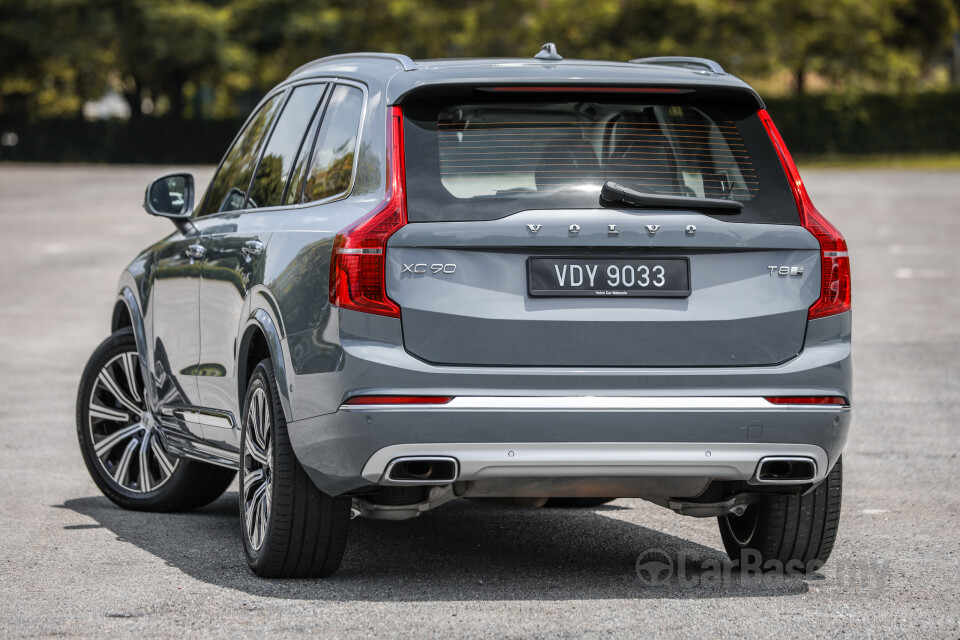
x=196, y=251
x=252, y=247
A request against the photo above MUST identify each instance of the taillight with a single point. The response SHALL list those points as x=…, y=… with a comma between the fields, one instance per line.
x=835, y=400
x=834, y=259
x=357, y=266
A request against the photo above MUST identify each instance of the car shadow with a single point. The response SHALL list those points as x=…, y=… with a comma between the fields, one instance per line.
x=463, y=551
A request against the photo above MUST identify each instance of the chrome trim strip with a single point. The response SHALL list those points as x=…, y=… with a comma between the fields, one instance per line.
x=216, y=419
x=593, y=403
x=201, y=415
x=723, y=461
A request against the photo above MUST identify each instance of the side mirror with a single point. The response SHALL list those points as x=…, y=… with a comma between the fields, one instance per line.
x=170, y=196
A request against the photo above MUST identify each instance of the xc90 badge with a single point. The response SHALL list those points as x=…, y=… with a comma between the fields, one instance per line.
x=422, y=267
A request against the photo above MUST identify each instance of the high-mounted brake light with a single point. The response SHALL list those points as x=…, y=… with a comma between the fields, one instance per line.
x=835, y=296
x=357, y=266
x=575, y=89
x=365, y=400
x=835, y=400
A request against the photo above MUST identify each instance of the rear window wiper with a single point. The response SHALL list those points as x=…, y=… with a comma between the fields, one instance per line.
x=617, y=193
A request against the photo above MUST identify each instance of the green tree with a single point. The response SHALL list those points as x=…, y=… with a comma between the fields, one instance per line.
x=160, y=46
x=926, y=27
x=55, y=54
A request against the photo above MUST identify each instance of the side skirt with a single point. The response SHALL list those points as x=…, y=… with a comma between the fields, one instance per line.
x=195, y=450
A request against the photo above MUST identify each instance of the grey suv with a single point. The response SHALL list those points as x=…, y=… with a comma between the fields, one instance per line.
x=538, y=281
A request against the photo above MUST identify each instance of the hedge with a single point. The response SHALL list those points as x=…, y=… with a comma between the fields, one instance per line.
x=142, y=140
x=812, y=125
x=869, y=123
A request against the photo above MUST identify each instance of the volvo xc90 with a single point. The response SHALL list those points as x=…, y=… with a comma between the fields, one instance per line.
x=541, y=281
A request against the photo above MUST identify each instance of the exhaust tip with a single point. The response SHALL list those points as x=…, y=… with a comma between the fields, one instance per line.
x=422, y=470
x=785, y=470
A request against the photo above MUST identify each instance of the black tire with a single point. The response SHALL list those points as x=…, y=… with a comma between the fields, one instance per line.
x=789, y=531
x=305, y=530
x=181, y=484
x=576, y=503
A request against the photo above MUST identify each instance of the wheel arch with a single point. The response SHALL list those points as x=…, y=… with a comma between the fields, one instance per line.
x=121, y=317
x=261, y=338
x=126, y=313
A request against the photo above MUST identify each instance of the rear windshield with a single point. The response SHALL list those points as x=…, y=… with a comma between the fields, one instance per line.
x=478, y=160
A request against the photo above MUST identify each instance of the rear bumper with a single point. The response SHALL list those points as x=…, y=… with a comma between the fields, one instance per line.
x=643, y=411
x=720, y=438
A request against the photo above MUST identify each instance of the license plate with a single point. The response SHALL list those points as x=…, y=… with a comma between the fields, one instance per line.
x=609, y=277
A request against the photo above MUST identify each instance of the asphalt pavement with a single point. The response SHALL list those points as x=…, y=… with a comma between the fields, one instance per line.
x=73, y=564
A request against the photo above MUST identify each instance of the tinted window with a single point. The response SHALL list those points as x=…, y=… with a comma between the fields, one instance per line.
x=501, y=151
x=285, y=141
x=227, y=191
x=331, y=168
x=296, y=175
x=487, y=160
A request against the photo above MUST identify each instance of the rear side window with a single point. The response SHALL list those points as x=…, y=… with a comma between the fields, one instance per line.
x=278, y=157
x=228, y=190
x=331, y=168
x=486, y=160
x=298, y=172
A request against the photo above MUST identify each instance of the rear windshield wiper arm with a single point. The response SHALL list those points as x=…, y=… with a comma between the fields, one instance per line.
x=614, y=192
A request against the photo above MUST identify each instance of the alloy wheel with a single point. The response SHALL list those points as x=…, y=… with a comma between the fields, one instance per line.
x=125, y=438
x=257, y=469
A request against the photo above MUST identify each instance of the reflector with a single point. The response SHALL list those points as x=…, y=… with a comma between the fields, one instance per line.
x=399, y=400
x=807, y=400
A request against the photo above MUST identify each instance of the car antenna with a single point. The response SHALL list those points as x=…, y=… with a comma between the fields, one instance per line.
x=548, y=52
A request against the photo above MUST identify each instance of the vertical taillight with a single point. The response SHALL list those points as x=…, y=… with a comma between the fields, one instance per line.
x=357, y=266
x=834, y=260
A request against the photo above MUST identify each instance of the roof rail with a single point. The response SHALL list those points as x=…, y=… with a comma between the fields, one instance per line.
x=405, y=62
x=686, y=62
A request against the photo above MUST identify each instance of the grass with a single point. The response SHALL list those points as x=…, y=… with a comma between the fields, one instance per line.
x=942, y=161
